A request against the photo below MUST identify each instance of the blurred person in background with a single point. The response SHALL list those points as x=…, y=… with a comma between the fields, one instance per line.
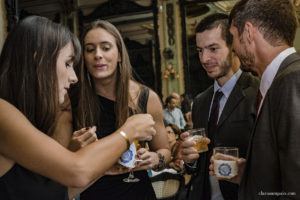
x=173, y=114
x=177, y=97
x=175, y=142
x=186, y=108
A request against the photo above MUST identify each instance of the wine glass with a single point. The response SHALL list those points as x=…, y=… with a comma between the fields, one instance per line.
x=131, y=178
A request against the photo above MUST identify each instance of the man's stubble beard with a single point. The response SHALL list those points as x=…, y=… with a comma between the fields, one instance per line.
x=226, y=66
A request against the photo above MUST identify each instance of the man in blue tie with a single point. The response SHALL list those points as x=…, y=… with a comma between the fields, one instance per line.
x=227, y=109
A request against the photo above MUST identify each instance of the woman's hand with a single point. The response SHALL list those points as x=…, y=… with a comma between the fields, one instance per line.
x=139, y=127
x=148, y=159
x=82, y=138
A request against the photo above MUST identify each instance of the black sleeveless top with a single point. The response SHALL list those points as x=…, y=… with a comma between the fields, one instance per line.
x=20, y=183
x=112, y=187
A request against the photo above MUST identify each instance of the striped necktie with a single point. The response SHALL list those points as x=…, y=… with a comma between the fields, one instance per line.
x=259, y=98
x=214, y=113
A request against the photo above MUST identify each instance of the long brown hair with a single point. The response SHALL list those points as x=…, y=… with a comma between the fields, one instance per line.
x=88, y=108
x=28, y=78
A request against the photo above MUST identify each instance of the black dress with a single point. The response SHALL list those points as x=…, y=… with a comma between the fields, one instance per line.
x=20, y=183
x=112, y=187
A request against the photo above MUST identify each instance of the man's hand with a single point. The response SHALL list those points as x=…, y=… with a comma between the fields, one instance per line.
x=240, y=165
x=188, y=152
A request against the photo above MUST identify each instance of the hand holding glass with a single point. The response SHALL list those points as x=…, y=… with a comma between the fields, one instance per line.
x=199, y=136
x=131, y=178
x=128, y=160
x=225, y=161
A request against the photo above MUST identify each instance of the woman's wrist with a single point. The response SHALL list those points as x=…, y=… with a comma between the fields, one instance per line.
x=161, y=162
x=130, y=132
x=126, y=138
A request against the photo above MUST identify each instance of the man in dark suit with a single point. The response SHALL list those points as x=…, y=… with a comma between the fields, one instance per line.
x=236, y=108
x=263, y=34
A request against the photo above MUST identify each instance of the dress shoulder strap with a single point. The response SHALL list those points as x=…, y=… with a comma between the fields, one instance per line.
x=143, y=99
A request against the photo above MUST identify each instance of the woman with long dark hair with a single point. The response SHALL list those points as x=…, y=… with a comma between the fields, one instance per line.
x=36, y=71
x=113, y=96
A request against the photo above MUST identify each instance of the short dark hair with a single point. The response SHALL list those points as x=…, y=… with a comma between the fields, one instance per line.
x=275, y=19
x=169, y=98
x=213, y=21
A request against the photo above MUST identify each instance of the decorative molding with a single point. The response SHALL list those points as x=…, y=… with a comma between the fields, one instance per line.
x=170, y=23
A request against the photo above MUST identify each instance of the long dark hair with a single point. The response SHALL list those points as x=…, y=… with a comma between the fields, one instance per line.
x=28, y=77
x=87, y=108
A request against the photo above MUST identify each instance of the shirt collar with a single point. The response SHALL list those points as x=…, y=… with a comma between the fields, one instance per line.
x=228, y=86
x=271, y=70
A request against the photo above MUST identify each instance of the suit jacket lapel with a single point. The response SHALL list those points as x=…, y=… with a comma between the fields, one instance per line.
x=235, y=97
x=206, y=108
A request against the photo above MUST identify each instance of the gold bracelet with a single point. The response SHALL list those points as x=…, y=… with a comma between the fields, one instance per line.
x=124, y=135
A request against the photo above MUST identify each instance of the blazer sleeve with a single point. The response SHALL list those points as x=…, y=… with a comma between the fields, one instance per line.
x=285, y=115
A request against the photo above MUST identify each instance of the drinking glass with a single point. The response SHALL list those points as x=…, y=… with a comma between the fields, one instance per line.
x=198, y=135
x=131, y=178
x=225, y=161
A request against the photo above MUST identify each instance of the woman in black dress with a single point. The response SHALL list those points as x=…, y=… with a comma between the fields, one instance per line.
x=113, y=97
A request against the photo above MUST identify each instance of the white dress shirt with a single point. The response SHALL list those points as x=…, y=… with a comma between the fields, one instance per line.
x=271, y=71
